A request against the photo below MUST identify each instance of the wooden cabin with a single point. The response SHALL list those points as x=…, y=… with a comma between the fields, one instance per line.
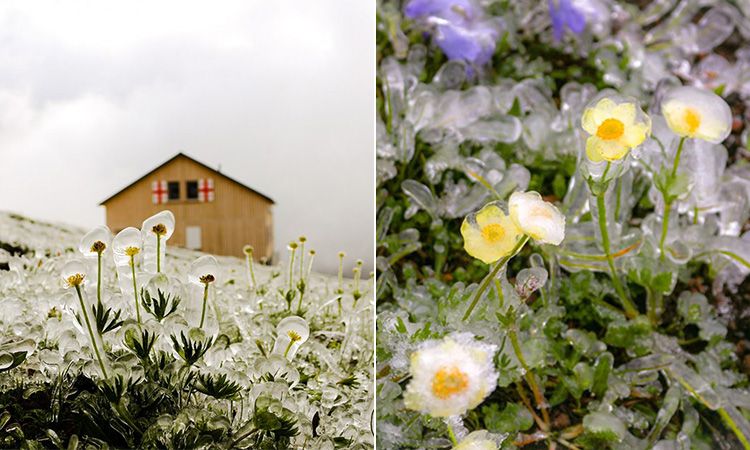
x=214, y=213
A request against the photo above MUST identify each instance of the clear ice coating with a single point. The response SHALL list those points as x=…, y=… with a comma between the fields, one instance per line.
x=452, y=136
x=48, y=338
x=127, y=251
x=291, y=333
x=156, y=230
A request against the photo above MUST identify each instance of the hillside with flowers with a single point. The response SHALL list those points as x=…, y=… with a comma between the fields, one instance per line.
x=126, y=342
x=562, y=225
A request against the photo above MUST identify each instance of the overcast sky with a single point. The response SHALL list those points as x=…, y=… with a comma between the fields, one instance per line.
x=279, y=93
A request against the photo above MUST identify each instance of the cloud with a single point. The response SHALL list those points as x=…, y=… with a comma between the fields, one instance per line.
x=94, y=94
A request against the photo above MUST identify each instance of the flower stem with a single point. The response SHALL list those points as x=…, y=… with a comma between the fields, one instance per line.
x=289, y=347
x=205, y=300
x=158, y=253
x=135, y=290
x=291, y=269
x=493, y=273
x=630, y=309
x=301, y=260
x=91, y=332
x=677, y=157
x=250, y=270
x=451, y=434
x=668, y=200
x=99, y=277
x=664, y=229
x=541, y=403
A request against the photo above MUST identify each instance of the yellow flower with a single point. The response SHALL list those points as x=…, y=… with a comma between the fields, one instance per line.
x=489, y=234
x=614, y=129
x=451, y=376
x=697, y=113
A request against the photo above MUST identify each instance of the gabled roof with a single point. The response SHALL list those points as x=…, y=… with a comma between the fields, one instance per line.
x=193, y=160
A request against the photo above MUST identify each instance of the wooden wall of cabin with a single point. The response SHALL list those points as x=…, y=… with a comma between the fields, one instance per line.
x=236, y=217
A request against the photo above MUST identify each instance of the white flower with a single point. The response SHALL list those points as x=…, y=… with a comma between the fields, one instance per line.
x=451, y=376
x=538, y=219
x=477, y=440
x=697, y=113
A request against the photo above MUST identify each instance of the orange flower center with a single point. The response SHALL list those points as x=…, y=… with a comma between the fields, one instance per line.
x=493, y=232
x=449, y=381
x=692, y=119
x=610, y=129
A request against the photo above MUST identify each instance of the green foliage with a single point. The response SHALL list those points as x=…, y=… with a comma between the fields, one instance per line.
x=217, y=386
x=191, y=350
x=160, y=306
x=105, y=323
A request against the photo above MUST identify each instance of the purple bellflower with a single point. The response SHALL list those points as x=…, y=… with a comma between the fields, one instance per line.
x=565, y=15
x=460, y=28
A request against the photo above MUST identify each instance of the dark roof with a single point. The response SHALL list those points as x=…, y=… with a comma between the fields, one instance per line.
x=193, y=160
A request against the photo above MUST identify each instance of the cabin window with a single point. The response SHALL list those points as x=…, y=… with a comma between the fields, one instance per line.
x=192, y=190
x=173, y=187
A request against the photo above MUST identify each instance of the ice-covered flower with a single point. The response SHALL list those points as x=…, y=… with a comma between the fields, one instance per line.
x=460, y=28
x=95, y=242
x=697, y=113
x=565, y=15
x=538, y=219
x=614, y=128
x=477, y=440
x=450, y=376
x=489, y=234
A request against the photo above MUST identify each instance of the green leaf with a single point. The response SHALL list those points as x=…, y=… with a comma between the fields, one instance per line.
x=512, y=419
x=602, y=368
x=265, y=420
x=603, y=427
x=628, y=333
x=515, y=110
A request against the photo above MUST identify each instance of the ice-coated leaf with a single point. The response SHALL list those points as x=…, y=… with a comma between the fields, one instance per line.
x=420, y=195
x=604, y=427
x=602, y=368
x=512, y=419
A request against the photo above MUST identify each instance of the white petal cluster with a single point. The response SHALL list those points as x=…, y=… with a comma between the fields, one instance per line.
x=451, y=376
x=538, y=219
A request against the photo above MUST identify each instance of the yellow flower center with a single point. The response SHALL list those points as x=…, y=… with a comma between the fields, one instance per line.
x=294, y=336
x=493, y=232
x=692, y=119
x=449, y=381
x=132, y=251
x=610, y=129
x=75, y=279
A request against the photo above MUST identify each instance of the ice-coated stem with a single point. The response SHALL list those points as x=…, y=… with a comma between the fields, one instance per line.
x=205, y=300
x=291, y=268
x=493, y=273
x=301, y=259
x=99, y=277
x=289, y=347
x=541, y=403
x=135, y=290
x=630, y=309
x=745, y=440
x=451, y=434
x=250, y=270
x=158, y=253
x=341, y=274
x=91, y=332
x=677, y=157
x=668, y=201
